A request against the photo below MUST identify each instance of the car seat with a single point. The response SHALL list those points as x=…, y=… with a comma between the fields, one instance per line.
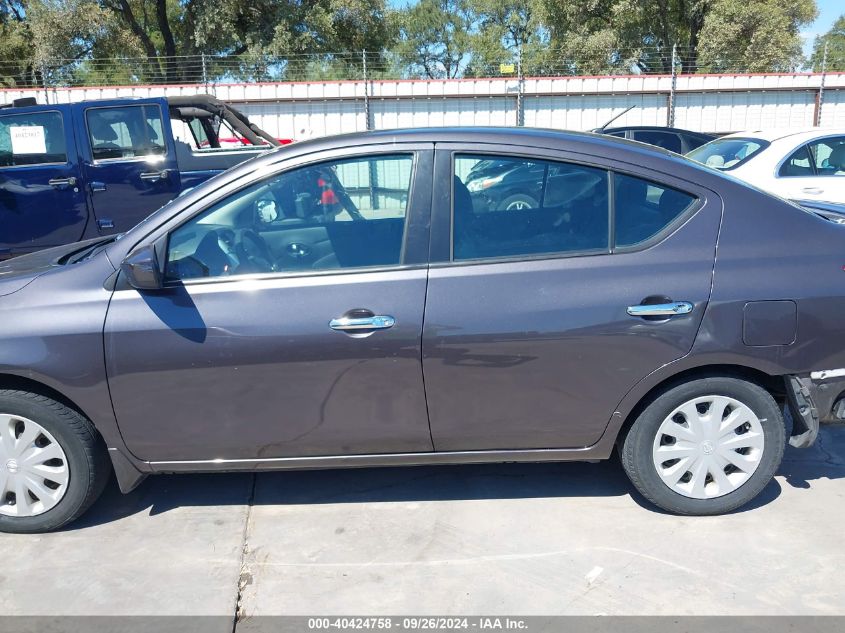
x=103, y=137
x=836, y=160
x=463, y=215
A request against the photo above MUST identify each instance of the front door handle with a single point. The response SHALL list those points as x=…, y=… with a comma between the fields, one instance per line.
x=356, y=324
x=62, y=182
x=661, y=309
x=813, y=190
x=155, y=176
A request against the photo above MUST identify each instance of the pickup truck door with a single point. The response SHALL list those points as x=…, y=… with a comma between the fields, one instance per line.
x=41, y=199
x=131, y=168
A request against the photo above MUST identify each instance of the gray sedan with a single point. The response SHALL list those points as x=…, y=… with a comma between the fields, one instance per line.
x=347, y=302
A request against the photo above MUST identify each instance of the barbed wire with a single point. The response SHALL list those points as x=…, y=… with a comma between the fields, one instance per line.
x=539, y=62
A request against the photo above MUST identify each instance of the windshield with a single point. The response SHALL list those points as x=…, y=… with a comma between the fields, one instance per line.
x=727, y=153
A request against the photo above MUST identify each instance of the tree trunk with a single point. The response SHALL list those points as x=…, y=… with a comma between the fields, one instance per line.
x=124, y=11
x=172, y=68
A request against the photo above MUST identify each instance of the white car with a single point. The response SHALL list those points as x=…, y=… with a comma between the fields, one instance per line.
x=794, y=164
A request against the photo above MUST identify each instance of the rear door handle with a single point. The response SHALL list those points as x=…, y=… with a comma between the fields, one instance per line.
x=661, y=309
x=353, y=324
x=155, y=176
x=62, y=182
x=814, y=190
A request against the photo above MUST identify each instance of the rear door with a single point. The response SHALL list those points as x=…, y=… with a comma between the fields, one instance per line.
x=131, y=168
x=528, y=342
x=41, y=199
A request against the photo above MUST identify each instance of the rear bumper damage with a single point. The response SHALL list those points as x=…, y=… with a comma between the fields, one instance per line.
x=812, y=399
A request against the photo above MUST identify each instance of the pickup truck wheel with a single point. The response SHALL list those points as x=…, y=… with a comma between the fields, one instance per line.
x=53, y=464
x=707, y=446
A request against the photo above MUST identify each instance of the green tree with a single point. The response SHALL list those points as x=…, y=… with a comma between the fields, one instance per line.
x=509, y=31
x=434, y=38
x=595, y=36
x=15, y=44
x=326, y=38
x=754, y=35
x=835, y=41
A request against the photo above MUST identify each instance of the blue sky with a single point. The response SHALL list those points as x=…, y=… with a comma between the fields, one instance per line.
x=829, y=10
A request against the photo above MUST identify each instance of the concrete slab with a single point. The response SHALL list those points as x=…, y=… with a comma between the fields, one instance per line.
x=542, y=539
x=171, y=547
x=474, y=540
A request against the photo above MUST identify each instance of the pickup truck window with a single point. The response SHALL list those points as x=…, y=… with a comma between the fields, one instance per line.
x=125, y=132
x=36, y=138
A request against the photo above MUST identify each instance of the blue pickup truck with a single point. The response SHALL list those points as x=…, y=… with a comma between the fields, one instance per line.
x=75, y=171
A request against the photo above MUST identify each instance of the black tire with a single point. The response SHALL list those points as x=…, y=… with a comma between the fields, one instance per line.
x=517, y=198
x=87, y=459
x=636, y=447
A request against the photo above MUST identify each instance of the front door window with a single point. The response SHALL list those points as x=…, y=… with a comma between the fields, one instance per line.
x=333, y=215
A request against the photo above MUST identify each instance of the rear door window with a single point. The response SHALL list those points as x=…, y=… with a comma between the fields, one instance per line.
x=126, y=132
x=510, y=206
x=506, y=207
x=36, y=138
x=829, y=156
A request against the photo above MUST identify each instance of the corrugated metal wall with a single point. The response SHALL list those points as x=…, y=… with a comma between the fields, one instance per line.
x=710, y=103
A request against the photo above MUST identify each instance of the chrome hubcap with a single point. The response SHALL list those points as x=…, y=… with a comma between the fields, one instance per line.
x=33, y=468
x=708, y=447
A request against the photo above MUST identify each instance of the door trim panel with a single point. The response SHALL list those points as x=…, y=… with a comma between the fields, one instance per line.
x=595, y=452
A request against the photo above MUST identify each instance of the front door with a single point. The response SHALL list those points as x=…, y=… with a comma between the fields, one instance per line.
x=528, y=342
x=41, y=199
x=291, y=324
x=132, y=168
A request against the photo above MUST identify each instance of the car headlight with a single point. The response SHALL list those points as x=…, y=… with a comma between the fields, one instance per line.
x=484, y=183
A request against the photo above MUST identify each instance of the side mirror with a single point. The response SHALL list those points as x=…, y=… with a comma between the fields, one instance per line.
x=141, y=269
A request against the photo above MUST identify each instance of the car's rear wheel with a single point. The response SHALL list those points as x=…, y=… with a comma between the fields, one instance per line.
x=53, y=464
x=707, y=446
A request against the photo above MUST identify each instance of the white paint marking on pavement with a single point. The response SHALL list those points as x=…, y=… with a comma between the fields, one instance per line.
x=595, y=572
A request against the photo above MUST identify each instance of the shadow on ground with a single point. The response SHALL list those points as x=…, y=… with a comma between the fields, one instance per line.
x=162, y=493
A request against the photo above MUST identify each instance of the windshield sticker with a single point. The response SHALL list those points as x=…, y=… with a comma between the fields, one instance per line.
x=28, y=139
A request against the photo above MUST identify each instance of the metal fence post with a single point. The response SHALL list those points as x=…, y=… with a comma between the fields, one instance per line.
x=204, y=73
x=367, y=116
x=820, y=101
x=670, y=115
x=520, y=87
x=44, y=82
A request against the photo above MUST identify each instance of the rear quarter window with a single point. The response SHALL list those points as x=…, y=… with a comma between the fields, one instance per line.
x=642, y=209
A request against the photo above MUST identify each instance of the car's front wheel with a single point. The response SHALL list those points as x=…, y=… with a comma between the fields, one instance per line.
x=518, y=202
x=707, y=446
x=53, y=465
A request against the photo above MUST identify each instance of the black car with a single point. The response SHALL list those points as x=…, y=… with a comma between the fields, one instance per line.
x=671, y=138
